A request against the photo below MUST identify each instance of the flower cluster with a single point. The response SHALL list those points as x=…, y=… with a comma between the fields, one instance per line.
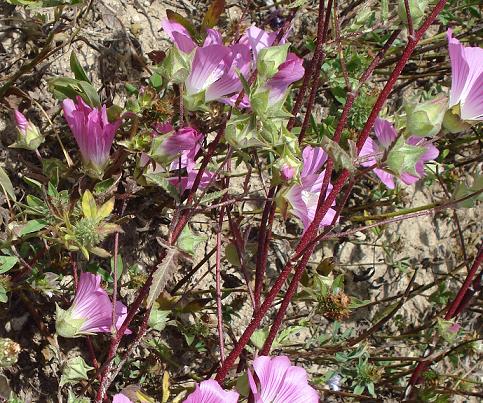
x=275, y=380
x=216, y=68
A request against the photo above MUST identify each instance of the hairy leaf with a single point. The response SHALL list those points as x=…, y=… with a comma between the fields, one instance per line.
x=162, y=273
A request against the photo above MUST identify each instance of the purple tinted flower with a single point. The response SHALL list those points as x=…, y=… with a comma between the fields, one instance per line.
x=91, y=310
x=211, y=392
x=287, y=172
x=280, y=382
x=179, y=35
x=466, y=79
x=288, y=72
x=304, y=198
x=185, y=143
x=120, y=398
x=214, y=70
x=372, y=151
x=93, y=132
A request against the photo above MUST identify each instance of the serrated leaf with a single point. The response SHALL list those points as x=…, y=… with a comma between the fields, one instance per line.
x=6, y=185
x=213, y=14
x=341, y=158
x=77, y=69
x=106, y=209
x=162, y=273
x=105, y=185
x=89, y=207
x=209, y=197
x=158, y=319
x=7, y=263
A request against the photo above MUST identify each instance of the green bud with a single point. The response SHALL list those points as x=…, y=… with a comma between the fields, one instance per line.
x=425, y=119
x=403, y=157
x=269, y=59
x=452, y=121
x=287, y=167
x=65, y=324
x=417, y=10
x=28, y=139
x=8, y=352
x=75, y=370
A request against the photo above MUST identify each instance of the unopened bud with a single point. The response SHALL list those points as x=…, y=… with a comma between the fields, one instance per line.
x=425, y=119
x=28, y=135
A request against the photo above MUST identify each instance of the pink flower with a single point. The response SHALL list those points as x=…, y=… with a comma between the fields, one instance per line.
x=386, y=134
x=21, y=121
x=466, y=79
x=182, y=39
x=280, y=382
x=211, y=392
x=91, y=310
x=304, y=198
x=92, y=131
x=288, y=72
x=287, y=172
x=120, y=398
x=214, y=70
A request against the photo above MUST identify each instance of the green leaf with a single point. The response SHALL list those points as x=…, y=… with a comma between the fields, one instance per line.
x=270, y=58
x=32, y=226
x=359, y=389
x=7, y=263
x=104, y=186
x=403, y=157
x=161, y=180
x=3, y=294
x=297, y=3
x=74, y=371
x=72, y=398
x=258, y=338
x=89, y=207
x=6, y=184
x=209, y=197
x=77, y=69
x=158, y=319
x=213, y=14
x=66, y=87
x=165, y=269
x=188, y=242
x=156, y=80
x=105, y=210
x=120, y=266
x=463, y=189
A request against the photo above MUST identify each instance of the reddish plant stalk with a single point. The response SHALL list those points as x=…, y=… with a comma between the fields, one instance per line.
x=263, y=242
x=308, y=73
x=320, y=213
x=319, y=57
x=409, y=18
x=219, y=314
x=451, y=313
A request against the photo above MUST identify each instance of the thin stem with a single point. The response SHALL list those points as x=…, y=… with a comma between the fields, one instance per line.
x=219, y=313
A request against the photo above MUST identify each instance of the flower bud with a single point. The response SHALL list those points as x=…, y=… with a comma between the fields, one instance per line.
x=8, y=352
x=29, y=136
x=425, y=119
x=416, y=8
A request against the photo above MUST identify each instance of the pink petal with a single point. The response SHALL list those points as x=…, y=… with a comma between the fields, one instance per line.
x=472, y=106
x=179, y=35
x=208, y=66
x=369, y=152
x=20, y=121
x=385, y=177
x=120, y=398
x=313, y=159
x=238, y=59
x=213, y=37
x=211, y=392
x=385, y=132
x=459, y=69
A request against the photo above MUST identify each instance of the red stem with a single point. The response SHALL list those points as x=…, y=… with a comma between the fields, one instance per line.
x=322, y=210
x=219, y=315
